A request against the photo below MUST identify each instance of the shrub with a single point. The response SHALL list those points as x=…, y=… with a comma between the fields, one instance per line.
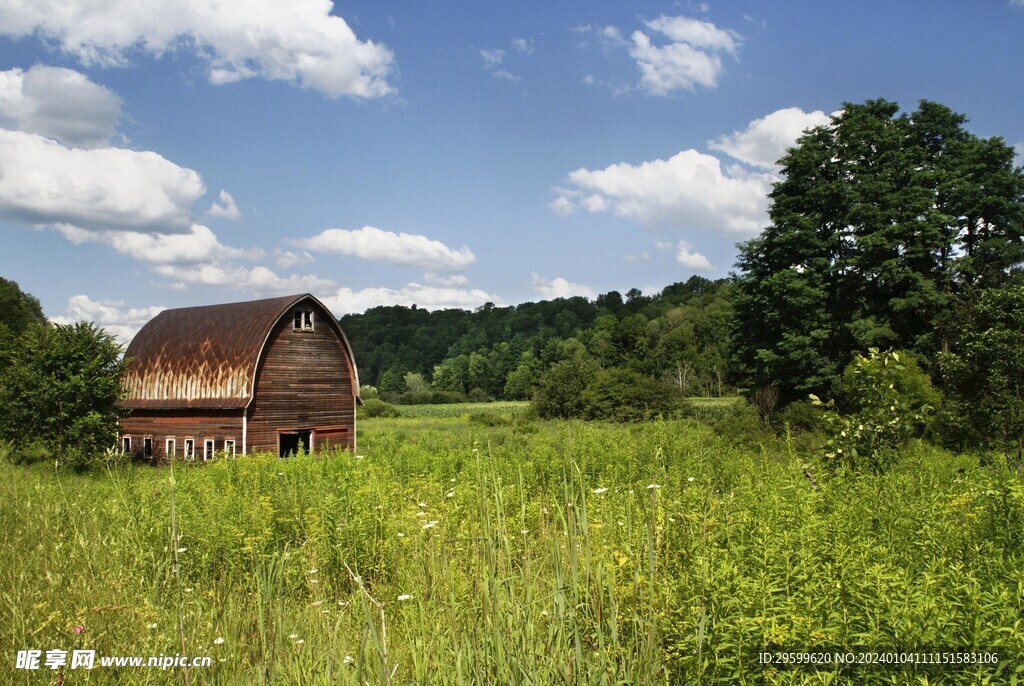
x=375, y=407
x=489, y=419
x=559, y=393
x=870, y=437
x=623, y=395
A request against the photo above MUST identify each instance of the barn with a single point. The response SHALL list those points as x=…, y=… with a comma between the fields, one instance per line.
x=273, y=375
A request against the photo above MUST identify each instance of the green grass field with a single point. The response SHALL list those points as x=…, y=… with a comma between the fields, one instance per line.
x=451, y=552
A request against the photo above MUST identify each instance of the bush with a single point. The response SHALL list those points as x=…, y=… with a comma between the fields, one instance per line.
x=489, y=419
x=375, y=407
x=870, y=437
x=623, y=395
x=559, y=394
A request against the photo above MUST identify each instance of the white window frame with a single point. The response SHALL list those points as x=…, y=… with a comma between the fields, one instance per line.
x=147, y=440
x=171, y=447
x=209, y=446
x=229, y=447
x=126, y=444
x=190, y=449
x=302, y=320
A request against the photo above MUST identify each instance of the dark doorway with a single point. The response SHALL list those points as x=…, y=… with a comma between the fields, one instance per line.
x=293, y=442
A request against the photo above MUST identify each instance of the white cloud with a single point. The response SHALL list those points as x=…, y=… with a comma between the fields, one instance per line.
x=299, y=41
x=1019, y=148
x=559, y=287
x=199, y=244
x=58, y=103
x=492, y=58
x=691, y=58
x=688, y=189
x=260, y=280
x=285, y=259
x=120, y=321
x=225, y=207
x=507, y=75
x=663, y=245
x=642, y=257
x=523, y=45
x=765, y=140
x=446, y=279
x=686, y=256
x=44, y=182
x=691, y=188
x=376, y=245
x=345, y=300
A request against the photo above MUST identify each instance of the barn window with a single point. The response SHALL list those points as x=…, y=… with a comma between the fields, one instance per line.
x=229, y=447
x=207, y=449
x=190, y=449
x=303, y=320
x=126, y=444
x=171, y=447
x=147, y=447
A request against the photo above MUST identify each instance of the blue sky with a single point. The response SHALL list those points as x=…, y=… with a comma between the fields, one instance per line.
x=169, y=153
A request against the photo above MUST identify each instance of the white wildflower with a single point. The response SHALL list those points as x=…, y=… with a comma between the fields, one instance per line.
x=314, y=570
x=601, y=490
x=360, y=457
x=690, y=479
x=404, y=597
x=151, y=626
x=423, y=505
x=651, y=487
x=181, y=550
x=401, y=535
x=431, y=524
x=219, y=640
x=524, y=531
x=450, y=494
x=293, y=636
x=348, y=660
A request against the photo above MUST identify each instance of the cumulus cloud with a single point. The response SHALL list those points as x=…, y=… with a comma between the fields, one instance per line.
x=44, y=182
x=446, y=279
x=559, y=287
x=688, y=189
x=115, y=316
x=58, y=103
x=225, y=207
x=686, y=256
x=346, y=300
x=765, y=140
x=298, y=41
x=690, y=58
x=285, y=259
x=492, y=58
x=376, y=245
x=693, y=189
x=259, y=280
x=199, y=244
x=523, y=45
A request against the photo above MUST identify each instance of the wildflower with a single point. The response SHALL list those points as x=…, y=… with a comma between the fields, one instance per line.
x=218, y=641
x=325, y=612
x=404, y=597
x=421, y=514
x=601, y=490
x=651, y=487
x=401, y=535
x=348, y=660
x=293, y=636
x=300, y=641
x=524, y=531
x=151, y=626
x=313, y=571
x=188, y=590
x=429, y=525
x=423, y=505
x=544, y=613
x=450, y=494
x=79, y=629
x=181, y=550
x=360, y=457
x=317, y=603
x=690, y=479
x=280, y=473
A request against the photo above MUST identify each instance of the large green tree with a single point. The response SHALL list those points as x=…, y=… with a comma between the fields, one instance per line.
x=881, y=223
x=60, y=388
x=18, y=311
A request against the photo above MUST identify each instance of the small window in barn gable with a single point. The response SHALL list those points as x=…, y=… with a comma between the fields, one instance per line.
x=207, y=449
x=171, y=447
x=303, y=320
x=147, y=447
x=190, y=449
x=126, y=444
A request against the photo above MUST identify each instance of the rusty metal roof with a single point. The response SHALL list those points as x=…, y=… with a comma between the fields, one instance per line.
x=203, y=357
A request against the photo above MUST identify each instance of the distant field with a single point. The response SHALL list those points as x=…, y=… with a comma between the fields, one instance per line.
x=523, y=552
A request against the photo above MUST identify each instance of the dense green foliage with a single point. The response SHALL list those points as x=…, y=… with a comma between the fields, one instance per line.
x=983, y=376
x=679, y=335
x=581, y=554
x=18, y=311
x=58, y=392
x=880, y=226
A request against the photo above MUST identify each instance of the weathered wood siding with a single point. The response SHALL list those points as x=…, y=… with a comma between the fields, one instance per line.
x=179, y=425
x=304, y=382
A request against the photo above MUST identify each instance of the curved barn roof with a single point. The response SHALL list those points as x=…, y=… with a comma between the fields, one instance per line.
x=206, y=357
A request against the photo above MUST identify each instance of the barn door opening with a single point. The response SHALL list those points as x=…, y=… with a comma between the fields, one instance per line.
x=293, y=442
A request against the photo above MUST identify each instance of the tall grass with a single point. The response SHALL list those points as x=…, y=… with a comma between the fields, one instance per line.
x=460, y=554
